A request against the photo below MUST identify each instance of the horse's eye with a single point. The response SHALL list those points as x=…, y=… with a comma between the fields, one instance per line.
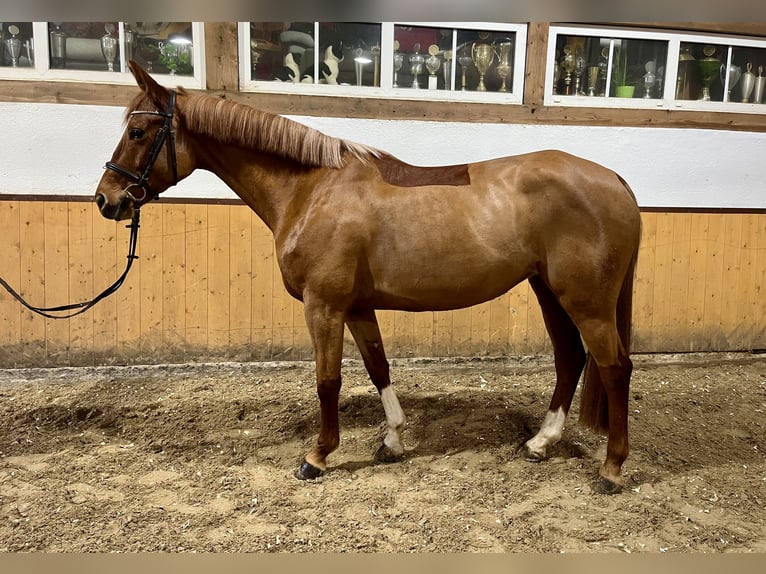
x=136, y=133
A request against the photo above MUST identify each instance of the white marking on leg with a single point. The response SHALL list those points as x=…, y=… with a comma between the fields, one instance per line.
x=394, y=418
x=549, y=433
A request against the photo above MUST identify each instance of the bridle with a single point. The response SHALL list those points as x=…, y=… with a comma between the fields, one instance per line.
x=163, y=135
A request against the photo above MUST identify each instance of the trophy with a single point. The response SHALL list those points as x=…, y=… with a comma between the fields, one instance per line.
x=592, y=79
x=13, y=45
x=504, y=66
x=578, y=72
x=708, y=70
x=398, y=61
x=650, y=78
x=760, y=80
x=734, y=73
x=482, y=55
x=416, y=65
x=447, y=69
x=568, y=66
x=360, y=61
x=58, y=47
x=29, y=50
x=432, y=65
x=109, y=46
x=748, y=83
x=465, y=62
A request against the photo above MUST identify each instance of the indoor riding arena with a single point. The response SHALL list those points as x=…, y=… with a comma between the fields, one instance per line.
x=190, y=396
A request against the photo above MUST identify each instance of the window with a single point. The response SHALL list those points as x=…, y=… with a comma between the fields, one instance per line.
x=439, y=61
x=640, y=69
x=100, y=51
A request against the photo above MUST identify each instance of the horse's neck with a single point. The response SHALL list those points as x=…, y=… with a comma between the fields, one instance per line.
x=266, y=183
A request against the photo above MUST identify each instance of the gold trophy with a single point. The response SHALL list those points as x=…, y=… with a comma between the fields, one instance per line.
x=432, y=65
x=504, y=66
x=482, y=55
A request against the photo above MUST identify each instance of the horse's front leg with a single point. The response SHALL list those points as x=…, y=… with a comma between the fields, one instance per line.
x=326, y=328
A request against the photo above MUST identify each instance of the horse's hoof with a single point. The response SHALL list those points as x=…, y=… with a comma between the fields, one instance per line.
x=606, y=486
x=307, y=471
x=385, y=454
x=531, y=455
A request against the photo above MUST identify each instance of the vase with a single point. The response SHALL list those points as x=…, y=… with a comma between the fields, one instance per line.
x=624, y=91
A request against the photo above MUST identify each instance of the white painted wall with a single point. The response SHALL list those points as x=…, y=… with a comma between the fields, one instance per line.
x=61, y=149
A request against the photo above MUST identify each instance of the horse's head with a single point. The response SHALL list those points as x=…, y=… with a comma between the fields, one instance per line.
x=147, y=159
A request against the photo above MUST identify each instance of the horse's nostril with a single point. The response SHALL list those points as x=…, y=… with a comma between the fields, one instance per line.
x=100, y=200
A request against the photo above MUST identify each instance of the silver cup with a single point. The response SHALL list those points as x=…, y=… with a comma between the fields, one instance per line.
x=760, y=82
x=747, y=83
x=109, y=50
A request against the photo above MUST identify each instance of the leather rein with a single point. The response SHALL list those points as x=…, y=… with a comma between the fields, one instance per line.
x=164, y=135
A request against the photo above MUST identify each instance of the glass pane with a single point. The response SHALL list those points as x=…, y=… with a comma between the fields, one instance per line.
x=161, y=47
x=282, y=51
x=702, y=73
x=422, y=57
x=582, y=64
x=349, y=53
x=485, y=61
x=17, y=46
x=84, y=45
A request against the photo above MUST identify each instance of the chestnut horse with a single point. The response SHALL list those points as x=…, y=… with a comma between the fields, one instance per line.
x=357, y=230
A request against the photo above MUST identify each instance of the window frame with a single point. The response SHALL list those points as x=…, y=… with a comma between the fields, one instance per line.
x=386, y=90
x=668, y=100
x=41, y=71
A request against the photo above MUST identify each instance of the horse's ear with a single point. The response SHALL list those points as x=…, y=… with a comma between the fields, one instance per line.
x=149, y=85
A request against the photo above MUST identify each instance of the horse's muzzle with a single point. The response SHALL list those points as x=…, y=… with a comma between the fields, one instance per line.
x=123, y=209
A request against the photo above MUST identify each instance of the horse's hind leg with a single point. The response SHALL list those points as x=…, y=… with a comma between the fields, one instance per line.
x=364, y=328
x=569, y=357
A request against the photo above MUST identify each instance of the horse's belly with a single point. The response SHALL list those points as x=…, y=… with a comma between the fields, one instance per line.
x=432, y=288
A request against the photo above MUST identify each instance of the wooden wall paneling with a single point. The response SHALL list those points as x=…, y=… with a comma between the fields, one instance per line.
x=663, y=281
x=442, y=333
x=732, y=266
x=173, y=277
x=109, y=259
x=643, y=290
x=698, y=254
x=218, y=277
x=745, y=330
x=264, y=269
x=32, y=280
x=147, y=332
x=81, y=281
x=221, y=56
x=759, y=296
x=10, y=270
x=715, y=288
x=537, y=335
x=403, y=340
x=499, y=317
x=196, y=277
x=480, y=329
x=240, y=273
x=56, y=265
x=423, y=333
x=517, y=319
x=283, y=318
x=678, y=332
x=460, y=341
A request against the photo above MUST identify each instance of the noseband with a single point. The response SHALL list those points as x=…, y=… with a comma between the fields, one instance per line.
x=164, y=134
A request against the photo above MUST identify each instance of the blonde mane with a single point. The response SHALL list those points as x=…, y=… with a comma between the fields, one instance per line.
x=242, y=125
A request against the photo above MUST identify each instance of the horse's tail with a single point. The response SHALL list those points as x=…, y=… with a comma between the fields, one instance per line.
x=594, y=411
